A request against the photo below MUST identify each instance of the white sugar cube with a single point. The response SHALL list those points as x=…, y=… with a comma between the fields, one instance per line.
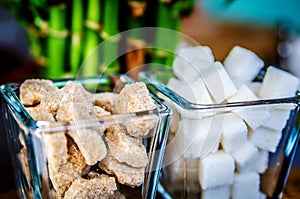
x=192, y=137
x=243, y=94
x=246, y=186
x=234, y=133
x=278, y=119
x=195, y=91
x=187, y=141
x=191, y=60
x=184, y=169
x=254, y=116
x=246, y=157
x=196, y=138
x=254, y=87
x=278, y=83
x=263, y=160
x=237, y=82
x=243, y=64
x=216, y=169
x=265, y=138
x=174, y=83
x=214, y=125
x=218, y=82
x=222, y=192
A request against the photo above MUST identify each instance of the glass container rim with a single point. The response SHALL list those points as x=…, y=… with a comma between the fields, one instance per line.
x=8, y=91
x=155, y=86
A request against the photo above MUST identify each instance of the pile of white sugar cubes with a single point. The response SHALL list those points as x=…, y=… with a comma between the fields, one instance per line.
x=225, y=152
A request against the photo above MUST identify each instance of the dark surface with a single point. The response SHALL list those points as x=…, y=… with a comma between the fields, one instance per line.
x=16, y=64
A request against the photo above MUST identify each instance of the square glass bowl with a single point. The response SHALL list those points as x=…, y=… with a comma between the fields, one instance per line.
x=211, y=153
x=27, y=139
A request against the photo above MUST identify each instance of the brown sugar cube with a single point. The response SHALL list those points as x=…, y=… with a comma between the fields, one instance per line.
x=101, y=187
x=71, y=92
x=90, y=143
x=136, y=125
x=116, y=195
x=100, y=112
x=40, y=113
x=76, y=93
x=52, y=101
x=138, y=128
x=75, y=157
x=105, y=100
x=126, y=148
x=63, y=175
x=125, y=174
x=74, y=112
x=134, y=98
x=56, y=149
x=32, y=91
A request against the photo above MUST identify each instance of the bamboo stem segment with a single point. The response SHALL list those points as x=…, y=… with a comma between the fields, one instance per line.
x=168, y=19
x=92, y=39
x=110, y=28
x=76, y=37
x=57, y=40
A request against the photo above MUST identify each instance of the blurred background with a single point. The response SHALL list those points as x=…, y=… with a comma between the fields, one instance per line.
x=51, y=38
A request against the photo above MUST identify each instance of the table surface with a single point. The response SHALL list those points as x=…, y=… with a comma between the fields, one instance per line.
x=292, y=188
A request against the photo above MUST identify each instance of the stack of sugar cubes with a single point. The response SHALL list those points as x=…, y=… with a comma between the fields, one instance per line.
x=225, y=151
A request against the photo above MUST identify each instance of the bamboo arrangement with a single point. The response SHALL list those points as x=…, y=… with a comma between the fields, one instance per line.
x=63, y=33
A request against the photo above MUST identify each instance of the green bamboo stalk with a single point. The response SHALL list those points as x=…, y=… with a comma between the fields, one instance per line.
x=165, y=19
x=111, y=18
x=76, y=28
x=92, y=38
x=110, y=28
x=57, y=41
